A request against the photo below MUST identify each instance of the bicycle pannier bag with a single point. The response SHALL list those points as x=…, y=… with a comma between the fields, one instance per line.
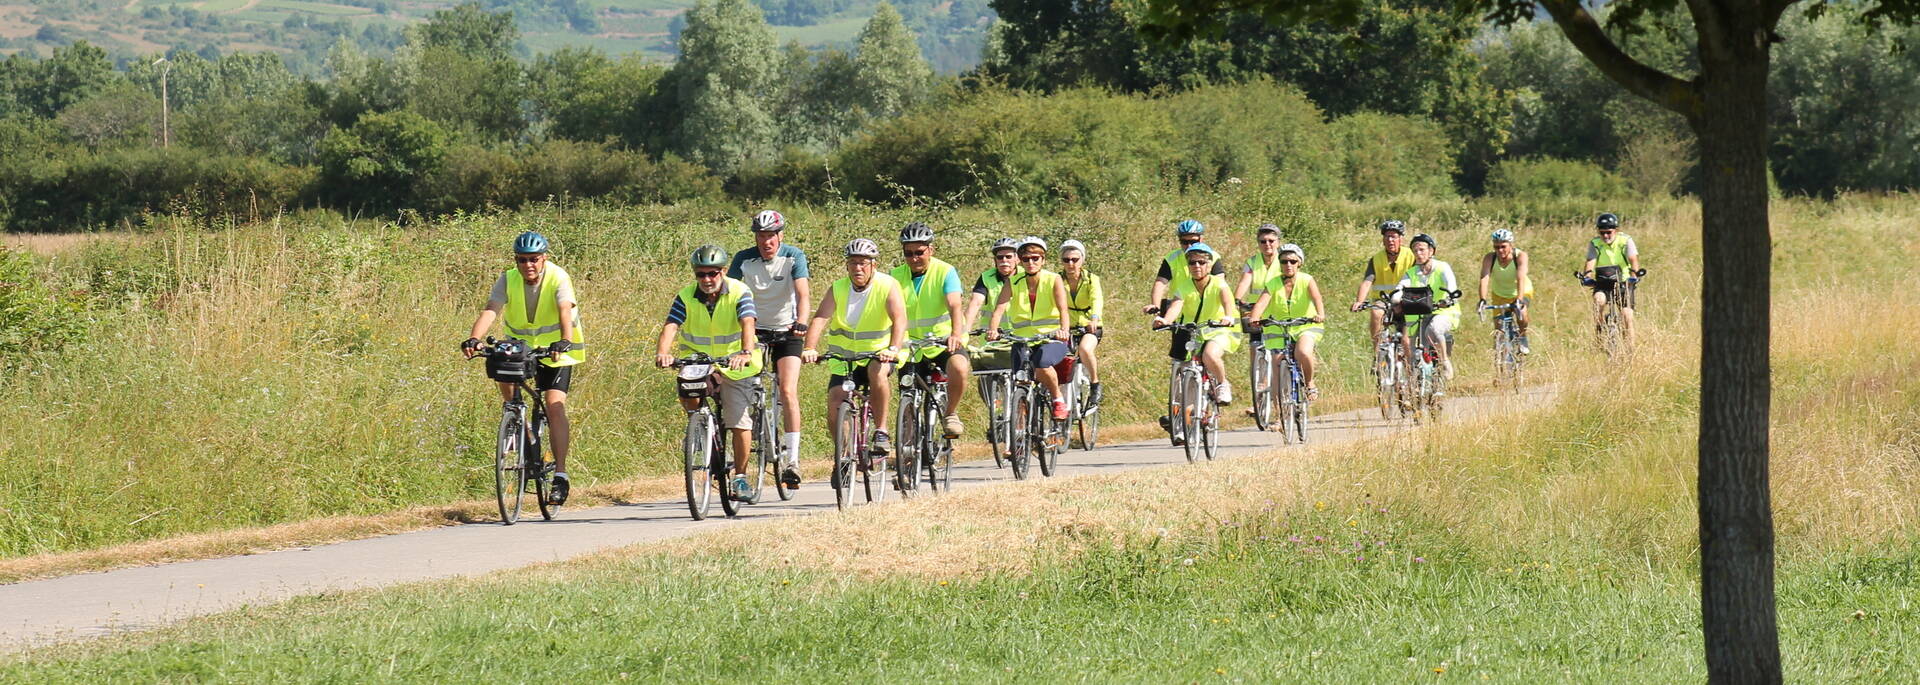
x=1416, y=301
x=510, y=362
x=997, y=356
x=695, y=381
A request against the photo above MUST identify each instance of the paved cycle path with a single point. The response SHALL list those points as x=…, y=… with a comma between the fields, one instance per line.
x=95, y=604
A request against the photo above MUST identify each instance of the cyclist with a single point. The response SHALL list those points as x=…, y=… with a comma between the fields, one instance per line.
x=535, y=303
x=1504, y=280
x=1261, y=267
x=1209, y=302
x=715, y=316
x=1612, y=261
x=1293, y=294
x=987, y=287
x=1383, y=273
x=782, y=289
x=863, y=312
x=1033, y=301
x=931, y=287
x=1172, y=279
x=1085, y=302
x=1436, y=275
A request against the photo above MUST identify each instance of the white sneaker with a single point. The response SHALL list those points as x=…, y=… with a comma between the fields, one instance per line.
x=1223, y=394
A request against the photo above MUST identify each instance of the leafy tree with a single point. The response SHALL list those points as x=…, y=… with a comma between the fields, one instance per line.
x=377, y=162
x=817, y=107
x=1845, y=106
x=74, y=73
x=728, y=60
x=459, y=69
x=469, y=30
x=360, y=84
x=891, y=74
x=122, y=114
x=1725, y=104
x=581, y=94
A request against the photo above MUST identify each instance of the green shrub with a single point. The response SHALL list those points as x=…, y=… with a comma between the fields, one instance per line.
x=1258, y=130
x=377, y=163
x=1388, y=154
x=1541, y=178
x=119, y=186
x=477, y=177
x=32, y=317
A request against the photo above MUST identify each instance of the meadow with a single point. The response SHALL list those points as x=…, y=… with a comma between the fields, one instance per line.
x=1556, y=541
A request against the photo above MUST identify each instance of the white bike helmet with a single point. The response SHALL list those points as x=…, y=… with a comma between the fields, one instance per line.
x=1290, y=247
x=1074, y=245
x=861, y=247
x=1033, y=240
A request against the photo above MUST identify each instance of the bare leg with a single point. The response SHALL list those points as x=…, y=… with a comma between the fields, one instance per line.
x=959, y=368
x=1088, y=344
x=557, y=428
x=1303, y=355
x=789, y=374
x=742, y=448
x=880, y=393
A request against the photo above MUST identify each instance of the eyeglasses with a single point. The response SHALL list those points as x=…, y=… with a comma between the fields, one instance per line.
x=1291, y=262
x=916, y=253
x=1269, y=241
x=1069, y=260
x=1606, y=231
x=535, y=259
x=1032, y=257
x=1199, y=263
x=706, y=274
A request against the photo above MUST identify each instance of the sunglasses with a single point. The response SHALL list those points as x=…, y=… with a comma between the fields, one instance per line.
x=1269, y=241
x=916, y=253
x=1293, y=262
x=1070, y=260
x=1032, y=258
x=706, y=274
x=1199, y=263
x=529, y=260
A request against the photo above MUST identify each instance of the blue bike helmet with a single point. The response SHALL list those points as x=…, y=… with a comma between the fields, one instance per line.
x=530, y=243
x=1190, y=227
x=1202, y=247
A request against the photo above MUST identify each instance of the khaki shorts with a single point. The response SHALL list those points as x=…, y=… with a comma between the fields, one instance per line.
x=736, y=401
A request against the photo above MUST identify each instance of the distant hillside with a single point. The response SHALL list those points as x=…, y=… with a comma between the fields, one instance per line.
x=951, y=31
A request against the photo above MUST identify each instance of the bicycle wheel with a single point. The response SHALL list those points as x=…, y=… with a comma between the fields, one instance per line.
x=723, y=474
x=908, y=434
x=1260, y=387
x=508, y=483
x=993, y=399
x=1090, y=428
x=1210, y=430
x=843, y=455
x=1192, y=399
x=696, y=447
x=1385, y=379
x=1019, y=426
x=1071, y=391
x=940, y=470
x=1046, y=442
x=1285, y=398
x=1300, y=401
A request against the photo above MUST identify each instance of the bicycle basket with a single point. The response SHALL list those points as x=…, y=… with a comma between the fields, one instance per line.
x=510, y=362
x=1416, y=301
x=695, y=381
x=1606, y=275
x=992, y=357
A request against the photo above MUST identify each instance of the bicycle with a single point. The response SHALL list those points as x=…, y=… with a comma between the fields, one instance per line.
x=1195, y=411
x=920, y=442
x=851, y=448
x=1292, y=398
x=704, y=449
x=996, y=385
x=1428, y=383
x=1259, y=367
x=766, y=421
x=1083, y=416
x=518, y=457
x=1508, y=363
x=1612, y=335
x=1030, y=406
x=1389, y=363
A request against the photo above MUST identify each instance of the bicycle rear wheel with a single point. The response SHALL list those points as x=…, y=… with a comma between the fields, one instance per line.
x=695, y=448
x=1385, y=379
x=1260, y=385
x=508, y=483
x=843, y=455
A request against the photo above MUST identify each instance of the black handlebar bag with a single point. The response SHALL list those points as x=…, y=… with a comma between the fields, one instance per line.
x=510, y=362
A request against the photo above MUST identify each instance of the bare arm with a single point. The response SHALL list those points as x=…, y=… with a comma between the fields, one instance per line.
x=819, y=324
x=1246, y=282
x=484, y=322
x=1319, y=307
x=999, y=310
x=1260, y=306
x=803, y=300
x=897, y=312
x=1486, y=275
x=663, y=351
x=1520, y=278
x=1060, y=303
x=566, y=321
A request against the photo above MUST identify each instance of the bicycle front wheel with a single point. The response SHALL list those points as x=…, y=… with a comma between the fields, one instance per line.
x=909, y=433
x=1285, y=397
x=1260, y=383
x=875, y=478
x=508, y=483
x=1019, y=426
x=1385, y=380
x=695, y=448
x=1192, y=394
x=845, y=443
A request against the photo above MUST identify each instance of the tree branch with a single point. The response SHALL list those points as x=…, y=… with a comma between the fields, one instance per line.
x=1653, y=84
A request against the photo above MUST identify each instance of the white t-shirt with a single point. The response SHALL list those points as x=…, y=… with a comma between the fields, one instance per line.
x=856, y=300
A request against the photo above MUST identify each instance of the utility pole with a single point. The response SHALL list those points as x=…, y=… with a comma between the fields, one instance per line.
x=165, y=131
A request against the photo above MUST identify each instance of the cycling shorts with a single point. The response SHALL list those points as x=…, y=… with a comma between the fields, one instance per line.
x=1043, y=355
x=552, y=377
x=858, y=370
x=1178, y=350
x=776, y=351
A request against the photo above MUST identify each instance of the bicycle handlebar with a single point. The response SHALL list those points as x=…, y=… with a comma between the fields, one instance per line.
x=855, y=357
x=1194, y=326
x=487, y=348
x=1270, y=321
x=697, y=359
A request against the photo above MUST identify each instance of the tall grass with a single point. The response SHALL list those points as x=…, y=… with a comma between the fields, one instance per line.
x=305, y=367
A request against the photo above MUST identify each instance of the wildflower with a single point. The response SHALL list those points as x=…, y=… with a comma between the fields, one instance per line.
x=1439, y=670
x=1187, y=561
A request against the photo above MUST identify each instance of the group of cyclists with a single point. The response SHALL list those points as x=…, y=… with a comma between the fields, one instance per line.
x=760, y=299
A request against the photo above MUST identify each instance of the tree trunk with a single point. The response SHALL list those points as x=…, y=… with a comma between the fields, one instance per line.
x=1736, y=520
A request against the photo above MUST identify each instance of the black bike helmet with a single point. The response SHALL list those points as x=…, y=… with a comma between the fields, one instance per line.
x=916, y=232
x=1608, y=220
x=1424, y=238
x=1393, y=225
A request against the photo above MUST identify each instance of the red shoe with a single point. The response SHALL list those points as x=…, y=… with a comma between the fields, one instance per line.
x=1059, y=410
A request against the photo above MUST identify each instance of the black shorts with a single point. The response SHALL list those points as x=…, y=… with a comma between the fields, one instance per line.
x=1098, y=333
x=1043, y=355
x=861, y=382
x=779, y=344
x=552, y=378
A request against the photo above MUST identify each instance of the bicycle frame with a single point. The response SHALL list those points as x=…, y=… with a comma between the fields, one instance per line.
x=920, y=442
x=526, y=421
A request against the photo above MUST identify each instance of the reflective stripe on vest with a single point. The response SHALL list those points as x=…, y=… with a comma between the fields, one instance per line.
x=1386, y=275
x=927, y=312
x=1262, y=272
x=1036, y=312
x=871, y=331
x=716, y=333
x=1209, y=304
x=544, y=329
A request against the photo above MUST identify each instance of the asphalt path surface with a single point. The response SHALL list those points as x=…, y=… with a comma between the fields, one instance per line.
x=96, y=604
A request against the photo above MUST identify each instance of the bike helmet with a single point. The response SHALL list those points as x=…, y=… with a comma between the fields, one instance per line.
x=709, y=255
x=530, y=243
x=1608, y=220
x=1072, y=244
x=1033, y=240
x=861, y=247
x=1394, y=225
x=1004, y=244
x=916, y=232
x=1290, y=247
x=1501, y=235
x=769, y=222
x=1424, y=238
x=1265, y=229
x=1202, y=247
x=1190, y=227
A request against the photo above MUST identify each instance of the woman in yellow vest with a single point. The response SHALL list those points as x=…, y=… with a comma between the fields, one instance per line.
x=1034, y=302
x=1504, y=280
x=535, y=303
x=1085, y=304
x=715, y=317
x=863, y=312
x=1383, y=273
x=1209, y=302
x=1262, y=266
x=1293, y=294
